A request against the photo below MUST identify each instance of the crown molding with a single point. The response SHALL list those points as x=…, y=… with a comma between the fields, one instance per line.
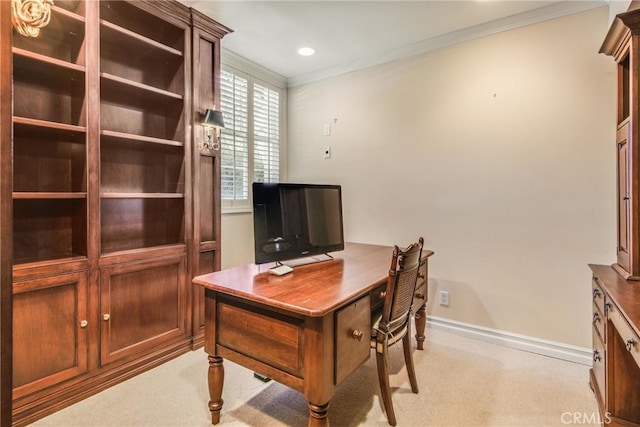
x=233, y=60
x=553, y=11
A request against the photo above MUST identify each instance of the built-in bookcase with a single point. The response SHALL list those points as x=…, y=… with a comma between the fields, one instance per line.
x=50, y=139
x=142, y=129
x=104, y=248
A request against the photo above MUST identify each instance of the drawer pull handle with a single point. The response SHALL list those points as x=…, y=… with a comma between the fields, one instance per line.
x=596, y=318
x=420, y=275
x=596, y=356
x=357, y=335
x=629, y=344
x=106, y=316
x=419, y=296
x=596, y=293
x=83, y=323
x=383, y=294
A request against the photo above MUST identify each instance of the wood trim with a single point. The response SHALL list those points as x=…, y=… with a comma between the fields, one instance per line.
x=169, y=10
x=202, y=22
x=6, y=214
x=615, y=38
x=92, y=102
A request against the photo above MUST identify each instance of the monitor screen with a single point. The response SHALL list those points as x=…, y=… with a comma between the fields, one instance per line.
x=296, y=220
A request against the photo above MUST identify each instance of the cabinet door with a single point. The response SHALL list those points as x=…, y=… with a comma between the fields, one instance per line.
x=49, y=331
x=142, y=305
x=624, y=202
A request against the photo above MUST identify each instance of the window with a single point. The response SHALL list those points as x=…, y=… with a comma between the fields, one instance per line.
x=250, y=140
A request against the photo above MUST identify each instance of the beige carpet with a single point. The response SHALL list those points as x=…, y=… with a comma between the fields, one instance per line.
x=463, y=382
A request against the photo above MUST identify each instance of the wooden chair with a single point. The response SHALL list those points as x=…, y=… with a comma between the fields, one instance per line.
x=392, y=323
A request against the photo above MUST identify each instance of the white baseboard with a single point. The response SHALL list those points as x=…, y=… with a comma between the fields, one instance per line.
x=555, y=349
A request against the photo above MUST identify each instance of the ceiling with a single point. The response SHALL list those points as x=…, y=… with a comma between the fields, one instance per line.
x=348, y=35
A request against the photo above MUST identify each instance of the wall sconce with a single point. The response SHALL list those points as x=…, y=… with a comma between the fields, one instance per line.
x=212, y=121
x=28, y=16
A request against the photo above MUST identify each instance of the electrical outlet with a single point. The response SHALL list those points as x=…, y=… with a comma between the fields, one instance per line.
x=327, y=152
x=444, y=298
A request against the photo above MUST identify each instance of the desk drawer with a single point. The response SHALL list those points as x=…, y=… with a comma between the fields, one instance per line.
x=353, y=337
x=598, y=365
x=377, y=296
x=598, y=294
x=264, y=336
x=628, y=335
x=598, y=321
x=420, y=296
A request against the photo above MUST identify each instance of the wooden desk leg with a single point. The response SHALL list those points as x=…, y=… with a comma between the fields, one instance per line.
x=421, y=324
x=216, y=380
x=318, y=415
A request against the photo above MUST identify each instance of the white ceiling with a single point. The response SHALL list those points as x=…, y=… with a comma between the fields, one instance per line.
x=348, y=35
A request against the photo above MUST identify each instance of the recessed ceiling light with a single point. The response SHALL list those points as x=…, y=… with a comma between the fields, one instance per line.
x=306, y=51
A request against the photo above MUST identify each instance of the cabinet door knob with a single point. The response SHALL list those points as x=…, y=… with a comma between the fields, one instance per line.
x=357, y=335
x=83, y=323
x=106, y=316
x=629, y=344
x=596, y=356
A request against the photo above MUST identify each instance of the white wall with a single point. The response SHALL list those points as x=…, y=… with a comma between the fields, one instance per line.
x=499, y=151
x=237, y=239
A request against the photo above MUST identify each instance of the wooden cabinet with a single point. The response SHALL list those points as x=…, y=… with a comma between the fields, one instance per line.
x=115, y=203
x=615, y=375
x=142, y=305
x=624, y=248
x=50, y=321
x=623, y=43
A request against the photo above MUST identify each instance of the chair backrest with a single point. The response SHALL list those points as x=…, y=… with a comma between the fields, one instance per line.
x=401, y=285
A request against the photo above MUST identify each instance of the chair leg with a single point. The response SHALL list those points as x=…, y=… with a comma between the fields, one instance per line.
x=408, y=360
x=385, y=390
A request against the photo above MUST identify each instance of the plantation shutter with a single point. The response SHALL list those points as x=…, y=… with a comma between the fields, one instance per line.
x=234, y=149
x=266, y=134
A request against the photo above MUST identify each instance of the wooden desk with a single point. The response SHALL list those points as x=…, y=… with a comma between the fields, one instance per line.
x=299, y=329
x=615, y=375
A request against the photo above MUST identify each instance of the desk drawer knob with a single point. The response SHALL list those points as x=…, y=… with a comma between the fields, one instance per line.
x=383, y=294
x=357, y=335
x=596, y=356
x=83, y=323
x=106, y=316
x=596, y=293
x=596, y=318
x=419, y=296
x=629, y=344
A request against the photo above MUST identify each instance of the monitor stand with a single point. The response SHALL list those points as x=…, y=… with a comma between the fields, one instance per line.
x=307, y=260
